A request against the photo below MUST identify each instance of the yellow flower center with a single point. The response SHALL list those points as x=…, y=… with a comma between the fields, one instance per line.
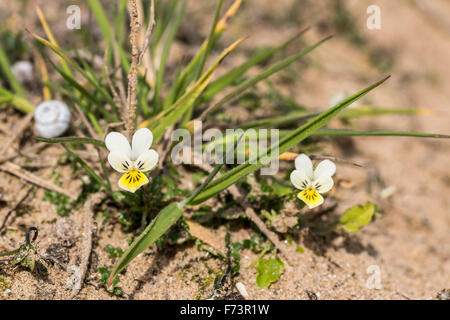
x=311, y=197
x=132, y=180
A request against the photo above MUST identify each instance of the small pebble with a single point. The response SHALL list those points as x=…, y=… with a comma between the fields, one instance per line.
x=242, y=290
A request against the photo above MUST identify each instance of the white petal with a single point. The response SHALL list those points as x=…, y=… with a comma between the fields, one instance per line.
x=325, y=168
x=323, y=184
x=147, y=160
x=142, y=141
x=119, y=161
x=299, y=179
x=117, y=143
x=302, y=162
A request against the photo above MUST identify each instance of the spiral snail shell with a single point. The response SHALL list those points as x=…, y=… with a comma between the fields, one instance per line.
x=52, y=118
x=23, y=71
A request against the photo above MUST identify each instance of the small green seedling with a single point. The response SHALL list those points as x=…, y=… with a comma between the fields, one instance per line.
x=113, y=252
x=269, y=270
x=117, y=291
x=356, y=217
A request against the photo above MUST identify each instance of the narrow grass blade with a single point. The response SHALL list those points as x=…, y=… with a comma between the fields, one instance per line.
x=80, y=140
x=211, y=41
x=284, y=144
x=6, y=70
x=46, y=93
x=73, y=83
x=81, y=103
x=172, y=114
x=291, y=117
x=164, y=15
x=50, y=35
x=107, y=31
x=230, y=77
x=355, y=112
x=364, y=111
x=188, y=74
x=165, y=54
x=344, y=132
x=104, y=170
x=89, y=170
x=163, y=221
x=7, y=97
x=120, y=21
x=236, y=92
x=102, y=20
x=72, y=63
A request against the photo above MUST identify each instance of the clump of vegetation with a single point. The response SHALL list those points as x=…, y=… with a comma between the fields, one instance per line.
x=112, y=288
x=27, y=255
x=137, y=89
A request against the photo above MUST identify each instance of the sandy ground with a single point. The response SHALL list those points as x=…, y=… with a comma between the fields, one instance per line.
x=409, y=244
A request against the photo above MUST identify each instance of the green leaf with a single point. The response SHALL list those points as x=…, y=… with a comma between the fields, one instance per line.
x=363, y=111
x=344, y=132
x=172, y=114
x=89, y=170
x=291, y=117
x=102, y=19
x=82, y=140
x=284, y=144
x=269, y=270
x=230, y=77
x=189, y=73
x=73, y=64
x=20, y=103
x=295, y=116
x=9, y=75
x=280, y=189
x=236, y=92
x=162, y=222
x=211, y=39
x=165, y=53
x=85, y=93
x=356, y=217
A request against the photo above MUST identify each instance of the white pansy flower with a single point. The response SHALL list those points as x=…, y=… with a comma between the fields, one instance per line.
x=312, y=181
x=132, y=160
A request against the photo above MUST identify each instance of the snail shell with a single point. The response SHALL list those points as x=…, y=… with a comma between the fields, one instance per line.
x=52, y=118
x=23, y=71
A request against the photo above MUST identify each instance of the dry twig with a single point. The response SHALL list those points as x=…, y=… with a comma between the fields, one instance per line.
x=88, y=227
x=136, y=58
x=205, y=235
x=86, y=122
x=18, y=204
x=23, y=124
x=28, y=176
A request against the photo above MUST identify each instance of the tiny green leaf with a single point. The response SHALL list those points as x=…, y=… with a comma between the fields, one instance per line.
x=356, y=217
x=269, y=270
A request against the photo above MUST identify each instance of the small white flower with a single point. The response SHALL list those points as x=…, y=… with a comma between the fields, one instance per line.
x=132, y=160
x=311, y=181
